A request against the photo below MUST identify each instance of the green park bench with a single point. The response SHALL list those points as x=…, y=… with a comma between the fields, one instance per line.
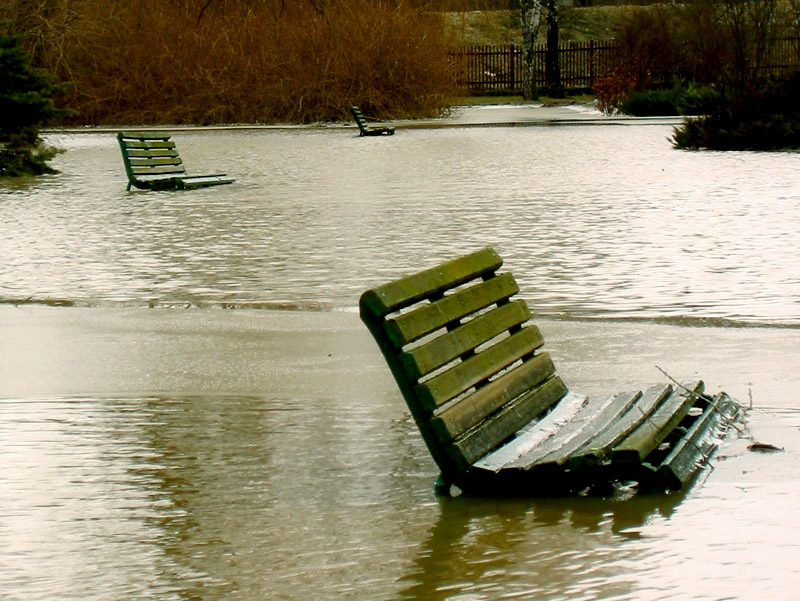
x=492, y=411
x=365, y=129
x=152, y=162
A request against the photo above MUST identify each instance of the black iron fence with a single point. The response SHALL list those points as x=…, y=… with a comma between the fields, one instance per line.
x=496, y=69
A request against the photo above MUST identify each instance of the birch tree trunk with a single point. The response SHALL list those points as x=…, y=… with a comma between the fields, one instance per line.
x=530, y=17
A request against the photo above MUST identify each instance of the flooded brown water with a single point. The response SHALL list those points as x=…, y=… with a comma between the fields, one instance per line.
x=260, y=452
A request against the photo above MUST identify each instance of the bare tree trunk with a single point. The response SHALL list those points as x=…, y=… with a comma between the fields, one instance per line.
x=530, y=17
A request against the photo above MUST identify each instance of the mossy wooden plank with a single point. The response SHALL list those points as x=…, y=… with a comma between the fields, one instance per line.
x=433, y=316
x=697, y=444
x=154, y=161
x=465, y=413
x=596, y=415
x=599, y=445
x=145, y=135
x=495, y=430
x=424, y=359
x=649, y=434
x=477, y=368
x=148, y=144
x=406, y=291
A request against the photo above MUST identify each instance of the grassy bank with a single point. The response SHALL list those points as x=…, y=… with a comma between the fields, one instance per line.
x=191, y=61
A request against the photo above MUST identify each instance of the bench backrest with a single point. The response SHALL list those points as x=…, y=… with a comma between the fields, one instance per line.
x=359, y=117
x=464, y=356
x=146, y=153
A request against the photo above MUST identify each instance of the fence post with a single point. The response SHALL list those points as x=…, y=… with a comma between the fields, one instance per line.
x=512, y=71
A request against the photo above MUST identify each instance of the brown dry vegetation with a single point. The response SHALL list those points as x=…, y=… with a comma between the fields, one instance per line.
x=257, y=61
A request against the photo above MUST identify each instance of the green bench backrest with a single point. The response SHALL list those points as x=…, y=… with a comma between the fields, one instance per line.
x=464, y=356
x=146, y=153
x=359, y=117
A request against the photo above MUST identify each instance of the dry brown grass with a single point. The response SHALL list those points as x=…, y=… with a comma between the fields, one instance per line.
x=159, y=61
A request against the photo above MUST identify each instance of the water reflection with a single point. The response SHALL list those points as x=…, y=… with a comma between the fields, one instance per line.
x=189, y=485
x=504, y=549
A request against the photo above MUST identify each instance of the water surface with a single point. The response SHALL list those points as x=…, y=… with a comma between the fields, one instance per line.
x=184, y=451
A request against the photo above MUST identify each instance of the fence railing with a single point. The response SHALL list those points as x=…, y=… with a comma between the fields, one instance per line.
x=495, y=69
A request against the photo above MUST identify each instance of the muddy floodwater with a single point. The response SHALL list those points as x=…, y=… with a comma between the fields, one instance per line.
x=191, y=409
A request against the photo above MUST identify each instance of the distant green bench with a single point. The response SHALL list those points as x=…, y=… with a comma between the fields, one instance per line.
x=365, y=129
x=494, y=414
x=152, y=162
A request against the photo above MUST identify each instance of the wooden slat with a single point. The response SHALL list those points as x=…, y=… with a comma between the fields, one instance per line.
x=596, y=416
x=535, y=436
x=600, y=444
x=200, y=181
x=495, y=430
x=153, y=161
x=406, y=291
x=478, y=368
x=649, y=434
x=145, y=135
x=430, y=317
x=157, y=170
x=148, y=144
x=152, y=152
x=697, y=444
x=462, y=415
x=442, y=350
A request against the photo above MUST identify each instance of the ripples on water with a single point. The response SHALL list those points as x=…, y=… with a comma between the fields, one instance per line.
x=328, y=495
x=252, y=498
x=593, y=220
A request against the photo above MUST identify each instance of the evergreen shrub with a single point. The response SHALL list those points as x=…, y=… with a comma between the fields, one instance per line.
x=767, y=118
x=26, y=103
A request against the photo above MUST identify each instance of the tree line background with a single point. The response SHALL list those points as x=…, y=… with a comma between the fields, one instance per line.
x=236, y=61
x=266, y=61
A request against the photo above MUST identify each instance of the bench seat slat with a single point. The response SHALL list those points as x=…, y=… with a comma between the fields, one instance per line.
x=199, y=181
x=532, y=437
x=601, y=444
x=478, y=368
x=493, y=431
x=458, y=417
x=597, y=415
x=639, y=443
x=406, y=291
x=424, y=359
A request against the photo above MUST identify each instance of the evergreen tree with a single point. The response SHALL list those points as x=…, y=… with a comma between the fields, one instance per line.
x=26, y=103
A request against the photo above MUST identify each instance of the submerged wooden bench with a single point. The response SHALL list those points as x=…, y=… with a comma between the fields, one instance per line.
x=365, y=129
x=494, y=414
x=152, y=162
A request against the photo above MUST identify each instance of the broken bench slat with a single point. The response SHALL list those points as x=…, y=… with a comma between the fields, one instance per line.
x=491, y=409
